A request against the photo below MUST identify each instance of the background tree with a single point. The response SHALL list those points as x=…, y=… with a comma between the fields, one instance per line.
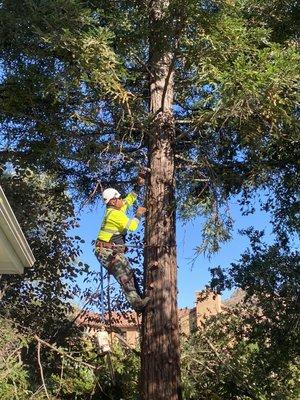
x=269, y=277
x=251, y=350
x=42, y=297
x=69, y=371
x=223, y=360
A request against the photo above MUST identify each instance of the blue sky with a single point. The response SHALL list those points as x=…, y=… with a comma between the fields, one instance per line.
x=191, y=278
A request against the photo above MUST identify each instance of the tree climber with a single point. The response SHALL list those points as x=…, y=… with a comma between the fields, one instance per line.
x=110, y=243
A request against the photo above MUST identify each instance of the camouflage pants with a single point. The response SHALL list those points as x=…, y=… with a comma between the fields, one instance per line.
x=117, y=264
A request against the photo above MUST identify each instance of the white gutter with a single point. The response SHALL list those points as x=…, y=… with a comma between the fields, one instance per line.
x=15, y=253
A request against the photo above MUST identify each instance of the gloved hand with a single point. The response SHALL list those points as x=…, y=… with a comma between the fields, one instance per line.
x=140, y=211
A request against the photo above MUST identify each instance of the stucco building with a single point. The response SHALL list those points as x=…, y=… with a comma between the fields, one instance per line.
x=126, y=328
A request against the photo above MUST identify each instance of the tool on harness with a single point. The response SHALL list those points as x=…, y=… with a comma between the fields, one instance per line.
x=118, y=248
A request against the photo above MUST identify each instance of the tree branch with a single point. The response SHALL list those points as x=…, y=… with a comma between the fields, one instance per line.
x=41, y=369
x=39, y=340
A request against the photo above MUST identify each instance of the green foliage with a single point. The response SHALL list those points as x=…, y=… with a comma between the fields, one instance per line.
x=270, y=277
x=252, y=349
x=281, y=15
x=237, y=94
x=75, y=98
x=58, y=65
x=77, y=382
x=114, y=375
x=41, y=298
x=86, y=375
x=223, y=361
x=74, y=95
x=14, y=382
x=61, y=38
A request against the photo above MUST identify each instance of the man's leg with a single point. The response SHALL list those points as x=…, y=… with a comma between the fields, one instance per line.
x=118, y=265
x=121, y=270
x=104, y=256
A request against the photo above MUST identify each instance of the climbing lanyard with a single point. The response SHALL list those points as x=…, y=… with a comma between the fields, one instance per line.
x=102, y=293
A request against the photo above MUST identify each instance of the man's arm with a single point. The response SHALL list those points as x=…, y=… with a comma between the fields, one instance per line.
x=129, y=200
x=131, y=197
x=125, y=223
x=130, y=224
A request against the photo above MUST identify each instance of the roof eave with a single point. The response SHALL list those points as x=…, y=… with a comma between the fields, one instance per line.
x=13, y=242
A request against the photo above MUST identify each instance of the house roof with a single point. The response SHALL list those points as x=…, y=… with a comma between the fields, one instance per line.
x=15, y=253
x=125, y=320
x=120, y=320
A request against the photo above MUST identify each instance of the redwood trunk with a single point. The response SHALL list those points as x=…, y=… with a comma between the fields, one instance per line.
x=160, y=370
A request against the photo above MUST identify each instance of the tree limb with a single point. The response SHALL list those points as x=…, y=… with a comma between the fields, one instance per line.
x=63, y=353
x=41, y=369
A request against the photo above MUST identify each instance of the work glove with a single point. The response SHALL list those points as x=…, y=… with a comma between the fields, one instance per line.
x=140, y=211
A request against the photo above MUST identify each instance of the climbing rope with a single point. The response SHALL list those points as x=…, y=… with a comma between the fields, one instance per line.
x=109, y=305
x=102, y=293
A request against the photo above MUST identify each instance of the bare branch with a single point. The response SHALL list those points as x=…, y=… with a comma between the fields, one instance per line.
x=41, y=369
x=63, y=353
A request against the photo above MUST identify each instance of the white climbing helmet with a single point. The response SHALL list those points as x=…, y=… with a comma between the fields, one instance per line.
x=109, y=194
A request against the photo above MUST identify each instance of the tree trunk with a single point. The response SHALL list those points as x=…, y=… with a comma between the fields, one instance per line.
x=160, y=369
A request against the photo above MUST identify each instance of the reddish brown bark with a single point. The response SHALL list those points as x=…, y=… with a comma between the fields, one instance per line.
x=160, y=371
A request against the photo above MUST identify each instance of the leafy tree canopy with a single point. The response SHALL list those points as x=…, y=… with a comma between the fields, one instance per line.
x=75, y=98
x=43, y=296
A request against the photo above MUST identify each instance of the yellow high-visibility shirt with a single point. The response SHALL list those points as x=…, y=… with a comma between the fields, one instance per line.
x=116, y=221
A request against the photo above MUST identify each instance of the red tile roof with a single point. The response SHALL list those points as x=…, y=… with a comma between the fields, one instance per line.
x=118, y=319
